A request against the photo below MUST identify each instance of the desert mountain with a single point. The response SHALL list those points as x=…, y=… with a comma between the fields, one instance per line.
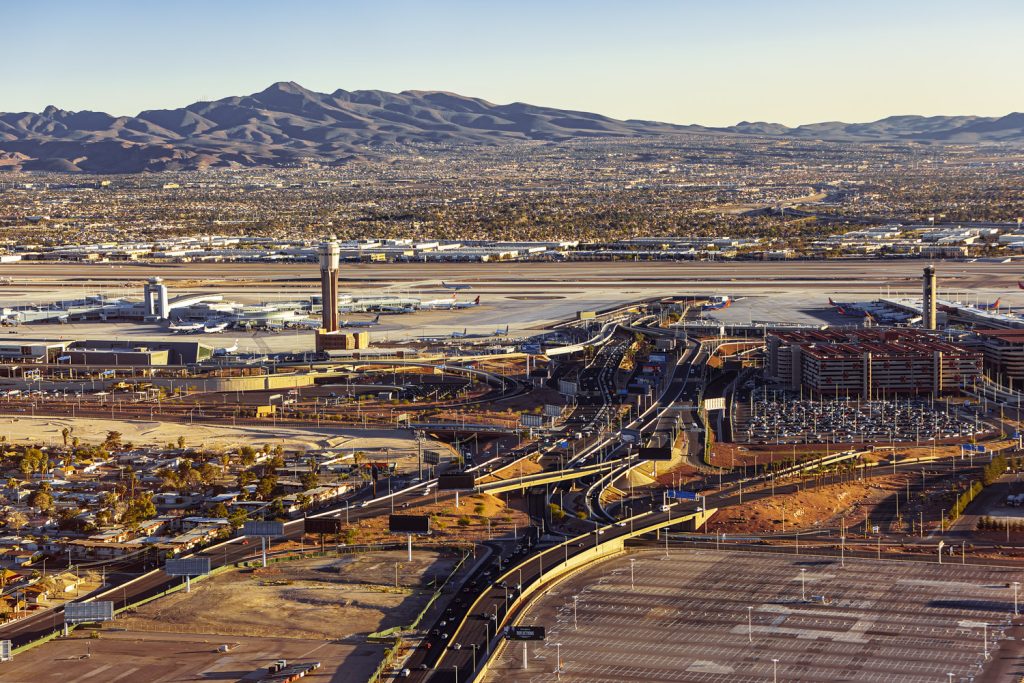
x=288, y=125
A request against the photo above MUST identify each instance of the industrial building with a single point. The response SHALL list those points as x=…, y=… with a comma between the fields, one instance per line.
x=341, y=341
x=869, y=362
x=106, y=352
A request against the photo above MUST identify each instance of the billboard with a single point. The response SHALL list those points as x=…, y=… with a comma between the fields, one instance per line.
x=5, y=651
x=525, y=633
x=528, y=420
x=552, y=410
x=79, y=612
x=630, y=435
x=568, y=388
x=258, y=528
x=656, y=453
x=323, y=525
x=450, y=482
x=714, y=403
x=409, y=524
x=188, y=566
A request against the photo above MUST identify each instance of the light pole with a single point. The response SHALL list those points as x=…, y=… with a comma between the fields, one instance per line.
x=750, y=624
x=474, y=656
x=775, y=671
x=558, y=661
x=632, y=562
x=576, y=600
x=803, y=584
x=1016, y=586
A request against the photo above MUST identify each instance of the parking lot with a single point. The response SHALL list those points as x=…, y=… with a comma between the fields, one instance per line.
x=735, y=616
x=784, y=418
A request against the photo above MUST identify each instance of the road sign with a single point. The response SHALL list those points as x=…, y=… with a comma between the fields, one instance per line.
x=681, y=495
x=449, y=482
x=528, y=420
x=258, y=528
x=188, y=566
x=525, y=633
x=658, y=453
x=409, y=524
x=630, y=435
x=5, y=651
x=323, y=525
x=714, y=403
x=81, y=612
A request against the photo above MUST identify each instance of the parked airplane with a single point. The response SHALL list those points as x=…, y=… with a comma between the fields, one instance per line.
x=850, y=309
x=438, y=304
x=186, y=328
x=214, y=328
x=466, y=304
x=994, y=306
x=716, y=303
x=397, y=310
x=465, y=334
x=223, y=351
x=455, y=285
x=360, y=323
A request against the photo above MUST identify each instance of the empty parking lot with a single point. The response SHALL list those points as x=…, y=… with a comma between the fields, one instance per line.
x=725, y=616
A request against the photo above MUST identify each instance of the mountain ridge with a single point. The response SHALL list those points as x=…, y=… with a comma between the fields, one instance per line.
x=286, y=124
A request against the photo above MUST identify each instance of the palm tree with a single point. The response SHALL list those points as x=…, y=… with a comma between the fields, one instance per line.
x=65, y=433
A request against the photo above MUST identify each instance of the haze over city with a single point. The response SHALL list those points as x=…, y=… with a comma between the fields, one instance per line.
x=451, y=342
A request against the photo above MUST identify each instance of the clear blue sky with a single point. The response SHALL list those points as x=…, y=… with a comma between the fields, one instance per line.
x=713, y=62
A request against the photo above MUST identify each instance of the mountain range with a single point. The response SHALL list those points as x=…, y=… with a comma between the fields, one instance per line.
x=288, y=125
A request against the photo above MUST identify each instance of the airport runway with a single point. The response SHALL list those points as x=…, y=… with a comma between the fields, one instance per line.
x=524, y=296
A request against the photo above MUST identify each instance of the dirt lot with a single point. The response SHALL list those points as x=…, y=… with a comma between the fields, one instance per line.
x=809, y=509
x=468, y=522
x=47, y=430
x=323, y=598
x=165, y=657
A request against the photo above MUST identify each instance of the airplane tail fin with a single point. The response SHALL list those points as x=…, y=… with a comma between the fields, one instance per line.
x=476, y=301
x=830, y=302
x=377, y=319
x=996, y=304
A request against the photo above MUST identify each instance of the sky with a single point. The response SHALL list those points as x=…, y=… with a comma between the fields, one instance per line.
x=713, y=62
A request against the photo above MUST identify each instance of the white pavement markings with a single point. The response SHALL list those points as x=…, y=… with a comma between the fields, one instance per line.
x=687, y=620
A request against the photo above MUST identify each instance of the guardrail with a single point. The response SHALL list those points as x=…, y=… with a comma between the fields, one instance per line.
x=559, y=570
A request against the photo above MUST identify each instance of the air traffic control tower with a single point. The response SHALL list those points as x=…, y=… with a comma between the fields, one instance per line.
x=928, y=299
x=329, y=260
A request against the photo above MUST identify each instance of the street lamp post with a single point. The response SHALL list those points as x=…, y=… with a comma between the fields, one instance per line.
x=750, y=624
x=558, y=661
x=775, y=670
x=803, y=584
x=1016, y=586
x=632, y=583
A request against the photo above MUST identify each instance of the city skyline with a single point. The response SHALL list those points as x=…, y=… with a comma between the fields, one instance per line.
x=678, y=63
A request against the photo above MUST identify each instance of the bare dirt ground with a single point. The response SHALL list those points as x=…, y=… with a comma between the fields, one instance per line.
x=167, y=657
x=803, y=510
x=323, y=598
x=155, y=433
